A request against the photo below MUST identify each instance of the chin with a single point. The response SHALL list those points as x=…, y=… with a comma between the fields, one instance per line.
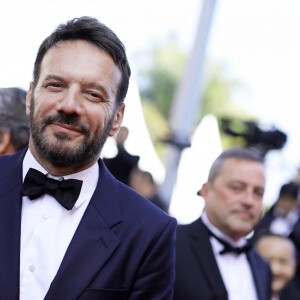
x=243, y=227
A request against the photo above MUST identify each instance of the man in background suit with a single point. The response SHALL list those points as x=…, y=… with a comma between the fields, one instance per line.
x=14, y=123
x=68, y=228
x=213, y=259
x=123, y=163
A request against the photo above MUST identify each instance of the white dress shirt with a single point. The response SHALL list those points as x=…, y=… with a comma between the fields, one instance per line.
x=47, y=229
x=284, y=225
x=235, y=269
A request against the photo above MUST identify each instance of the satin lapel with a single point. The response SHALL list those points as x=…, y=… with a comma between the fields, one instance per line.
x=261, y=274
x=205, y=256
x=10, y=225
x=93, y=243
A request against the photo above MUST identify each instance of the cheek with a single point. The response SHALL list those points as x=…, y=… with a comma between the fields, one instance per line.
x=288, y=271
x=257, y=209
x=42, y=107
x=99, y=116
x=227, y=199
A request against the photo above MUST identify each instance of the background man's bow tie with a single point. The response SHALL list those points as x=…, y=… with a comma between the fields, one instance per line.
x=228, y=248
x=66, y=192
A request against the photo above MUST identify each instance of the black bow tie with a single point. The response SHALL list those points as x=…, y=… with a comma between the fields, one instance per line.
x=66, y=192
x=228, y=248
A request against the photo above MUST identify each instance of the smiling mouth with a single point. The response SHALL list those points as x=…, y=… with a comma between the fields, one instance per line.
x=244, y=214
x=66, y=129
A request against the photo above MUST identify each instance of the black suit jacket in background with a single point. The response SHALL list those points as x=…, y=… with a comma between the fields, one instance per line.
x=197, y=272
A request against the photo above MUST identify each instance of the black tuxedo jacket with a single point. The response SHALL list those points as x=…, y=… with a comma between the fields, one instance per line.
x=197, y=272
x=123, y=247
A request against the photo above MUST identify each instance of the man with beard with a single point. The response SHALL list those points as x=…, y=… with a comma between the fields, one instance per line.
x=68, y=228
x=213, y=258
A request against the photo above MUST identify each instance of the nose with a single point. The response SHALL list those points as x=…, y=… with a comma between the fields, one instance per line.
x=248, y=198
x=275, y=267
x=71, y=102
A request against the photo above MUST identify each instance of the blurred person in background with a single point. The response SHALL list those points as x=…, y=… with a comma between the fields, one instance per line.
x=143, y=183
x=283, y=218
x=14, y=123
x=280, y=252
x=213, y=258
x=123, y=163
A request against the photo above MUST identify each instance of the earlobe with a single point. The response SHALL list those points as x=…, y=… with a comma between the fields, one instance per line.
x=28, y=98
x=118, y=119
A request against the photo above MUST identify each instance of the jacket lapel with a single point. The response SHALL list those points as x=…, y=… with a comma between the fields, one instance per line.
x=10, y=225
x=261, y=274
x=205, y=256
x=93, y=242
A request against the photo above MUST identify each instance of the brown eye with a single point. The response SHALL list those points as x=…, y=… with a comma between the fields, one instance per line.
x=94, y=97
x=54, y=86
x=259, y=193
x=235, y=188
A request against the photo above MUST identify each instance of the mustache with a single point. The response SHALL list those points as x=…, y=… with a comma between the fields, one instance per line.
x=242, y=208
x=63, y=118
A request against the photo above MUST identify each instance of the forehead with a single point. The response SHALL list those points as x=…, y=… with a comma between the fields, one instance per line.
x=80, y=60
x=273, y=245
x=243, y=170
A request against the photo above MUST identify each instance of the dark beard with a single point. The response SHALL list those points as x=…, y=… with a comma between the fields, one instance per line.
x=61, y=156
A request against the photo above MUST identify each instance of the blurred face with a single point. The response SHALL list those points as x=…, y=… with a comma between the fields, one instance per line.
x=279, y=252
x=233, y=201
x=122, y=136
x=285, y=204
x=141, y=184
x=73, y=106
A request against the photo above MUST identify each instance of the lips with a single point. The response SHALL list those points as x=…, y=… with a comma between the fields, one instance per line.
x=65, y=128
x=243, y=214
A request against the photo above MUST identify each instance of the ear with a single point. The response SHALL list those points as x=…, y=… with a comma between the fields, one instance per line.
x=28, y=98
x=118, y=119
x=204, y=189
x=6, y=146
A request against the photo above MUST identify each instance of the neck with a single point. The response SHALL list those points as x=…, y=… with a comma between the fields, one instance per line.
x=56, y=170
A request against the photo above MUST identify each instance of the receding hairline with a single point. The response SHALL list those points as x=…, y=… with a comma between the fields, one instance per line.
x=233, y=153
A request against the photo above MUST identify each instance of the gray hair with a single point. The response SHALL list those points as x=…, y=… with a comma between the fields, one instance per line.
x=13, y=116
x=236, y=152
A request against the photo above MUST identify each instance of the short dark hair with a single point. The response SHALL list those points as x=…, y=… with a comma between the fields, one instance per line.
x=235, y=152
x=13, y=116
x=290, y=189
x=91, y=30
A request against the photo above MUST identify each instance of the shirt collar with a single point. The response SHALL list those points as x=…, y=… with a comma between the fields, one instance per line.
x=89, y=177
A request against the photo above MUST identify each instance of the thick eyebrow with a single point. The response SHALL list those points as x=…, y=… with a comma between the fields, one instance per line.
x=91, y=85
x=244, y=183
x=237, y=181
x=55, y=77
